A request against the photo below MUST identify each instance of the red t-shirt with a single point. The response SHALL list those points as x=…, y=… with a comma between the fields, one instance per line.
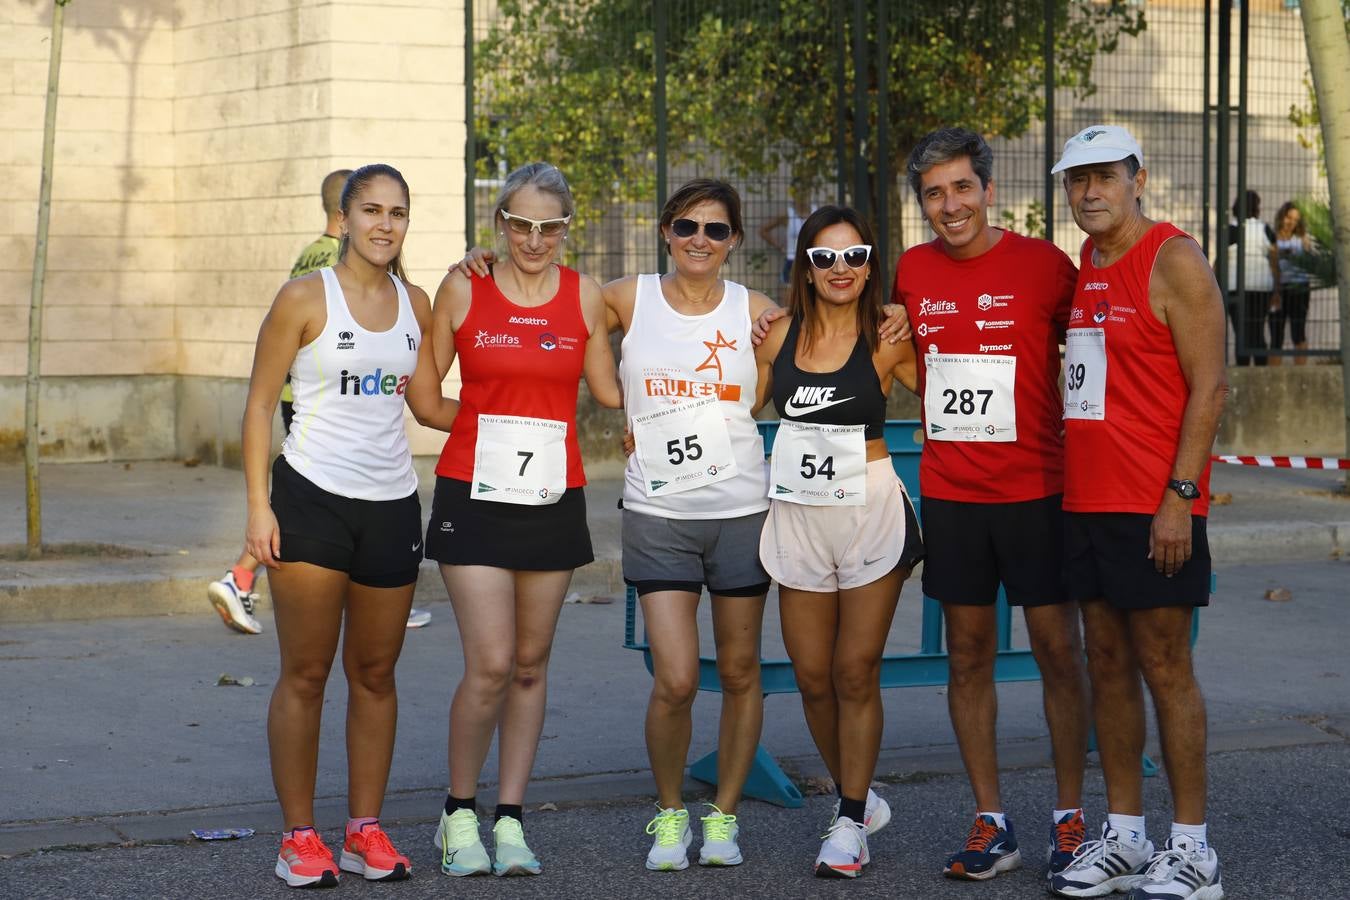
x=1123, y=424
x=518, y=361
x=1011, y=301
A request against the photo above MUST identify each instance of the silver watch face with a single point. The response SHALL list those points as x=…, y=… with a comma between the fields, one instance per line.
x=1187, y=489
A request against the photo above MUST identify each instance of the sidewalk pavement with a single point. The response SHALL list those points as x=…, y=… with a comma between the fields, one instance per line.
x=148, y=536
x=116, y=730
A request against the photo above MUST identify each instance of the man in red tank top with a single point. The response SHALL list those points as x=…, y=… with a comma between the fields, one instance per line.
x=988, y=309
x=1144, y=386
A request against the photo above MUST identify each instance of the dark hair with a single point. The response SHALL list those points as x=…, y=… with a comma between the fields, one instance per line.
x=1301, y=228
x=945, y=145
x=356, y=183
x=700, y=190
x=802, y=293
x=1253, y=205
x=331, y=190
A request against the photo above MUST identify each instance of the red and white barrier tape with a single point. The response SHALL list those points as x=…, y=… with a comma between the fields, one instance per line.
x=1285, y=462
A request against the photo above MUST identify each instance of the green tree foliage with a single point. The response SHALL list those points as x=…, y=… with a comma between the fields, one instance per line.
x=753, y=84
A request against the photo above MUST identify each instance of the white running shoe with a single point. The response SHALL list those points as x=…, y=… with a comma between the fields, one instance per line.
x=462, y=851
x=235, y=606
x=1103, y=867
x=418, y=618
x=1181, y=871
x=876, y=815
x=670, y=848
x=844, y=852
x=720, y=833
x=513, y=856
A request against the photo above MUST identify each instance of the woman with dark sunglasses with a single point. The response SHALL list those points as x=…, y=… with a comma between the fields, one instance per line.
x=841, y=536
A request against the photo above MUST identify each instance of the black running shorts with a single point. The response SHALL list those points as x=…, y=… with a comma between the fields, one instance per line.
x=1106, y=557
x=973, y=547
x=378, y=543
x=467, y=532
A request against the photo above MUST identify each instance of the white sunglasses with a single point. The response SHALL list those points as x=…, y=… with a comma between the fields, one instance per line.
x=855, y=257
x=546, y=227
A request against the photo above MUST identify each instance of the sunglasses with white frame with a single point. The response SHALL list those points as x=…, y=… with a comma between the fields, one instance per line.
x=545, y=227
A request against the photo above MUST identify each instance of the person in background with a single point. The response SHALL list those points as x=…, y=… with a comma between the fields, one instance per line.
x=1261, y=281
x=790, y=222
x=1291, y=240
x=232, y=594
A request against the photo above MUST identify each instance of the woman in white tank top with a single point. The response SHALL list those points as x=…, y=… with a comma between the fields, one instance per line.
x=340, y=532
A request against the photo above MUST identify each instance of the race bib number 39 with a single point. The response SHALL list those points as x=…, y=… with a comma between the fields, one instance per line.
x=1085, y=374
x=819, y=465
x=520, y=460
x=970, y=397
x=683, y=447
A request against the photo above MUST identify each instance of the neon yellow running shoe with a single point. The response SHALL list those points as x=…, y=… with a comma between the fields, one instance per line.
x=669, y=851
x=513, y=856
x=720, y=832
x=462, y=852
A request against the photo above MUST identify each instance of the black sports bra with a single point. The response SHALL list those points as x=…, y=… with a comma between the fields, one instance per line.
x=850, y=395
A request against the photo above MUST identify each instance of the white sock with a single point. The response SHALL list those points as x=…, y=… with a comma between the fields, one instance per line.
x=1129, y=829
x=1061, y=813
x=1195, y=832
x=998, y=818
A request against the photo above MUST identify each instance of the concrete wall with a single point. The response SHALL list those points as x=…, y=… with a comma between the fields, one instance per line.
x=1284, y=411
x=192, y=138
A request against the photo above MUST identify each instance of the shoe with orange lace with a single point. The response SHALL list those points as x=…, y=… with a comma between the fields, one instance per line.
x=988, y=851
x=368, y=852
x=304, y=861
x=1069, y=834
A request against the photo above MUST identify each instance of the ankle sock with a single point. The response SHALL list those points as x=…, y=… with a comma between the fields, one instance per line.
x=999, y=819
x=1058, y=815
x=513, y=810
x=354, y=826
x=1129, y=829
x=1196, y=833
x=453, y=803
x=285, y=835
x=853, y=809
x=243, y=578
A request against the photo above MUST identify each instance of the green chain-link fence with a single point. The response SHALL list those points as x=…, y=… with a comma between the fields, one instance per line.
x=822, y=101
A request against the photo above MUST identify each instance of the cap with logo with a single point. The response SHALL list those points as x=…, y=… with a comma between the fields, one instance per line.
x=1098, y=144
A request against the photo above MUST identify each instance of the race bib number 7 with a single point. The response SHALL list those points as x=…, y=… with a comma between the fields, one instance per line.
x=1085, y=374
x=520, y=460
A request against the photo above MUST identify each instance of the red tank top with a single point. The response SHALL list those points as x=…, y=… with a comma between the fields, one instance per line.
x=518, y=361
x=1122, y=460
x=1010, y=301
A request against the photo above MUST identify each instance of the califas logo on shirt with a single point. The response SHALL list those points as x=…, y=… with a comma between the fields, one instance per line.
x=806, y=400
x=930, y=307
x=377, y=382
x=484, y=339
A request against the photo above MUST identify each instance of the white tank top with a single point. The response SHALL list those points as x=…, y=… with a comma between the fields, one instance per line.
x=794, y=230
x=349, y=385
x=669, y=358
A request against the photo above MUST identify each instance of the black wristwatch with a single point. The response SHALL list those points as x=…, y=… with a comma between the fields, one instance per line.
x=1186, y=489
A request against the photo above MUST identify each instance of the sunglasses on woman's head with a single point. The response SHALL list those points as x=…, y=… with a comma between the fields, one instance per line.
x=713, y=231
x=546, y=227
x=855, y=257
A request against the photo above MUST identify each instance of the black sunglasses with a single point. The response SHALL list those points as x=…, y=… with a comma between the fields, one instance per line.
x=713, y=231
x=855, y=257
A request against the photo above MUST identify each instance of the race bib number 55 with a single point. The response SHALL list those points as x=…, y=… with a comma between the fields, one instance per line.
x=683, y=447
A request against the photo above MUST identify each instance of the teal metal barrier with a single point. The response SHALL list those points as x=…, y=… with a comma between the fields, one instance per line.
x=926, y=668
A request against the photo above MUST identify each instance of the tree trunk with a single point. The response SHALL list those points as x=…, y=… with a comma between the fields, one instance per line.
x=1329, y=57
x=33, y=382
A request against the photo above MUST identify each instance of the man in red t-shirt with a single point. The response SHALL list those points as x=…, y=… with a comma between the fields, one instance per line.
x=1144, y=386
x=988, y=308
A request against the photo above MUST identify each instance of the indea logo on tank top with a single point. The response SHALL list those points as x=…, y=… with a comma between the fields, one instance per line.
x=676, y=387
x=377, y=383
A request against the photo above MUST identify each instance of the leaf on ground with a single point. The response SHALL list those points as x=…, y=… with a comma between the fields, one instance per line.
x=547, y=807
x=227, y=680
x=1224, y=499
x=1279, y=595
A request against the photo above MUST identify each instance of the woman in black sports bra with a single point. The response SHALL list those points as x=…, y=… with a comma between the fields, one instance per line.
x=841, y=536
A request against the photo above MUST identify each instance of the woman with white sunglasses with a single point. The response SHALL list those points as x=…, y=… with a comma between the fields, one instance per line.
x=508, y=519
x=841, y=535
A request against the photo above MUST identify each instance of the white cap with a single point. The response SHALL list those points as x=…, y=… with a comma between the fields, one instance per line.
x=1098, y=144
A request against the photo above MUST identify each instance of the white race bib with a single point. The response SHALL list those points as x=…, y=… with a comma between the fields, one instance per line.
x=819, y=465
x=683, y=447
x=970, y=397
x=520, y=460
x=1085, y=373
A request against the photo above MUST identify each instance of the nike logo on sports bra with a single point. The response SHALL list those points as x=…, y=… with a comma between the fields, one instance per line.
x=793, y=409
